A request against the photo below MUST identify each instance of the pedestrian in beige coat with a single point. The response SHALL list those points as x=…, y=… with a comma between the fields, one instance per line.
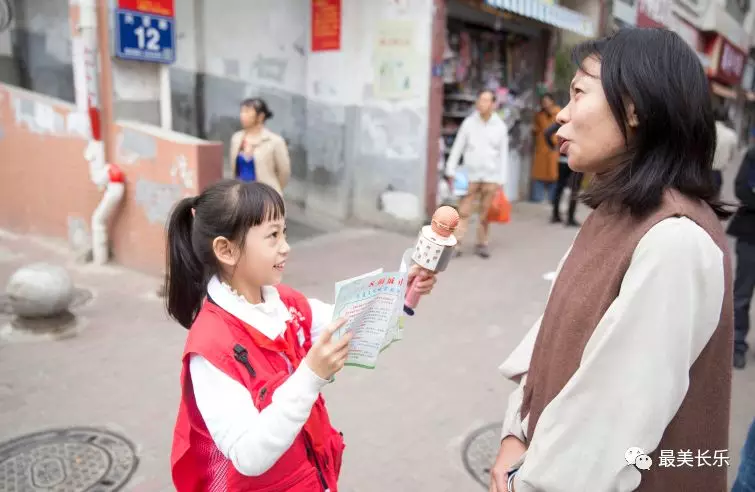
x=256, y=153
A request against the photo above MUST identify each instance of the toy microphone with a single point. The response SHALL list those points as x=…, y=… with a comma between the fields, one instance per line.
x=434, y=249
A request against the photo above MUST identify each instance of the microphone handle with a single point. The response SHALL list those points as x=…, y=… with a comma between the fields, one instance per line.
x=412, y=297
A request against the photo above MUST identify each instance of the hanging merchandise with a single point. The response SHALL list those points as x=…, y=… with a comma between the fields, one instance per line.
x=464, y=55
x=474, y=59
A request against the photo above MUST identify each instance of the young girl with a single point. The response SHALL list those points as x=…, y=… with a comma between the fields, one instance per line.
x=258, y=353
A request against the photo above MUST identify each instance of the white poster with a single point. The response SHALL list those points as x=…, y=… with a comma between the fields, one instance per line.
x=395, y=58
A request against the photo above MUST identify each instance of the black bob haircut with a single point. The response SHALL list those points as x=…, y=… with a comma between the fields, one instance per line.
x=674, y=143
x=259, y=105
x=228, y=208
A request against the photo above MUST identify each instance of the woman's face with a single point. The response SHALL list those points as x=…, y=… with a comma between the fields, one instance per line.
x=249, y=117
x=589, y=135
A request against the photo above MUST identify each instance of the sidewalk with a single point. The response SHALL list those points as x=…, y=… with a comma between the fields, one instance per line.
x=405, y=422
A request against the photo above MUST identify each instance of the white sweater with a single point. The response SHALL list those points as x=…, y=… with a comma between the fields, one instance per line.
x=485, y=148
x=254, y=440
x=634, y=369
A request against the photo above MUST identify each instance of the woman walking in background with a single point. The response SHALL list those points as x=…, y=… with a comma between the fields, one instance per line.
x=257, y=154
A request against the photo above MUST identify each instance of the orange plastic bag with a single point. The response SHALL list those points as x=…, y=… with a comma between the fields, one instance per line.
x=500, y=208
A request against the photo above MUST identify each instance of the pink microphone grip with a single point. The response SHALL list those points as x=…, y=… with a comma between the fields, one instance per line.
x=412, y=297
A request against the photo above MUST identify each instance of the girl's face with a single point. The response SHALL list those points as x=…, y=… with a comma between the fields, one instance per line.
x=265, y=253
x=589, y=134
x=260, y=263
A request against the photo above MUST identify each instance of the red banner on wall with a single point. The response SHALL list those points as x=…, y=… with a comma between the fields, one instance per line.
x=159, y=7
x=326, y=25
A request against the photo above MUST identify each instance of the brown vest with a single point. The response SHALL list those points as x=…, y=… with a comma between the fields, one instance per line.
x=587, y=284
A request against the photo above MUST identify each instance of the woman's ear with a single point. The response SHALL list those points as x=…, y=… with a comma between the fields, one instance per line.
x=632, y=120
x=225, y=251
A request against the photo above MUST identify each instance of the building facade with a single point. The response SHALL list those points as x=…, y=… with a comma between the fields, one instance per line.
x=363, y=92
x=720, y=31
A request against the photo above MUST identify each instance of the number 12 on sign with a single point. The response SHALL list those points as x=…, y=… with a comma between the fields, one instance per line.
x=145, y=37
x=152, y=36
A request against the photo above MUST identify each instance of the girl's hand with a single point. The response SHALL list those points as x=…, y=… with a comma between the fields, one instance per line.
x=327, y=357
x=425, y=279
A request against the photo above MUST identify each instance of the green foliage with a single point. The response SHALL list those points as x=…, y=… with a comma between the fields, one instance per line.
x=563, y=69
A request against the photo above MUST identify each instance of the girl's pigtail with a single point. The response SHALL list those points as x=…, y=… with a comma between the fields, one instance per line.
x=185, y=273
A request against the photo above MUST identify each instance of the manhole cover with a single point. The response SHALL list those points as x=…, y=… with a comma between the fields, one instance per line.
x=480, y=450
x=67, y=460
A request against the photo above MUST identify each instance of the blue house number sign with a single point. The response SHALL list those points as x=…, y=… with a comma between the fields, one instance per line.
x=145, y=37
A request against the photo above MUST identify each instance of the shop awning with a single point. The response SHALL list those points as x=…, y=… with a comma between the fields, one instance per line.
x=554, y=15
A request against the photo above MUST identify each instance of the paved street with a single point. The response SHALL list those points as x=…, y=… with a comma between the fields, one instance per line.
x=405, y=422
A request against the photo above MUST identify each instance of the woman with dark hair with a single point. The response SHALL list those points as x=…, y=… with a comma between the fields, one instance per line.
x=625, y=381
x=257, y=154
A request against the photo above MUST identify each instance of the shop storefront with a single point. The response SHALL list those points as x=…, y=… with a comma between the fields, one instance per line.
x=721, y=33
x=502, y=46
x=726, y=67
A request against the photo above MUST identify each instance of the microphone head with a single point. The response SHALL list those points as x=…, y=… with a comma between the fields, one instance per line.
x=445, y=221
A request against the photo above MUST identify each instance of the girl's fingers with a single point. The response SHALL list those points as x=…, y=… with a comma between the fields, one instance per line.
x=425, y=286
x=343, y=343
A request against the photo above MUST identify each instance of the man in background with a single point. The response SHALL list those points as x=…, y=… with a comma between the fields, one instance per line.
x=483, y=140
x=566, y=177
x=742, y=227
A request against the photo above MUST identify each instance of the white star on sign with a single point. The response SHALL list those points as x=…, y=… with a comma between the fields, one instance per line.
x=163, y=25
x=129, y=19
x=146, y=21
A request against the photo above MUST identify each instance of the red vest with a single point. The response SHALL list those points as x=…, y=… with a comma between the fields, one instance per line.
x=313, y=461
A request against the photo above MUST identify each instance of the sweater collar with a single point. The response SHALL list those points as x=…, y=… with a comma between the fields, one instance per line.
x=268, y=317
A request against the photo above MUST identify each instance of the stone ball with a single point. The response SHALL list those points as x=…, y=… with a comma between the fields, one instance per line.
x=40, y=290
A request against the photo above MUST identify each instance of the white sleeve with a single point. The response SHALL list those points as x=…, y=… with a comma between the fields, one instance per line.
x=515, y=368
x=634, y=372
x=251, y=439
x=322, y=316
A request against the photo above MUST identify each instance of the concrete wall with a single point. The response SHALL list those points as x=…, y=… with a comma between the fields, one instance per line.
x=390, y=153
x=136, y=87
x=40, y=39
x=45, y=186
x=355, y=152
